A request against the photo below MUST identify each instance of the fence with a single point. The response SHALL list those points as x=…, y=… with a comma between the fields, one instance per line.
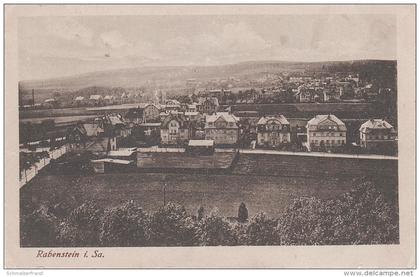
x=28, y=174
x=160, y=150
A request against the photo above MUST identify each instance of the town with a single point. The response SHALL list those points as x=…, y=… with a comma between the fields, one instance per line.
x=208, y=130
x=210, y=153
x=288, y=113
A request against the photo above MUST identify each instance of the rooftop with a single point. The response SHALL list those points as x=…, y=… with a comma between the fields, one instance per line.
x=122, y=152
x=280, y=118
x=321, y=118
x=375, y=124
x=114, y=161
x=225, y=115
x=95, y=97
x=199, y=142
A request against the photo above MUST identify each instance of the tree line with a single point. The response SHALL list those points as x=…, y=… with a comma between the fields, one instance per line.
x=361, y=216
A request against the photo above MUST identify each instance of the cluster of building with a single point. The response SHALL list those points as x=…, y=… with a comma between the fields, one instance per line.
x=300, y=89
x=175, y=124
x=325, y=132
x=85, y=99
x=103, y=100
x=179, y=122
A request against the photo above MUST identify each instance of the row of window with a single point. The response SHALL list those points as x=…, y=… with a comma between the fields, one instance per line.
x=328, y=142
x=221, y=125
x=328, y=134
x=379, y=137
x=231, y=132
x=221, y=138
x=274, y=135
x=262, y=140
x=328, y=127
x=273, y=127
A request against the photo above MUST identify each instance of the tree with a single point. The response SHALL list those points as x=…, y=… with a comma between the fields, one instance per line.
x=125, y=225
x=242, y=213
x=261, y=230
x=200, y=213
x=301, y=222
x=361, y=216
x=82, y=226
x=364, y=216
x=171, y=226
x=214, y=231
x=38, y=229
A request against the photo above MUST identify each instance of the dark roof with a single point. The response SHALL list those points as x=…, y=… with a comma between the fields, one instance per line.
x=79, y=128
x=183, y=122
x=135, y=113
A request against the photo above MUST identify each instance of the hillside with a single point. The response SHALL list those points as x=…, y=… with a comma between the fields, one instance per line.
x=176, y=76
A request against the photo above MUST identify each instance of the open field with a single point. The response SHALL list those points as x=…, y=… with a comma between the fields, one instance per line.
x=269, y=194
x=60, y=119
x=305, y=110
x=308, y=110
x=83, y=111
x=265, y=183
x=183, y=160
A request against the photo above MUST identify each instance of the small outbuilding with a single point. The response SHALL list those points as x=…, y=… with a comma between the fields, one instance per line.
x=200, y=147
x=111, y=165
x=128, y=154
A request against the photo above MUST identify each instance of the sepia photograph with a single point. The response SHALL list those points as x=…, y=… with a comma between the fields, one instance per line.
x=208, y=129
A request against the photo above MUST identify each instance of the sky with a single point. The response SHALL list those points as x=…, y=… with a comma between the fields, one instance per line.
x=50, y=47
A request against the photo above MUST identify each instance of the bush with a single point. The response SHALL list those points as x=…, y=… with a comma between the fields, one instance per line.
x=361, y=216
x=124, y=225
x=214, y=231
x=261, y=230
x=171, y=226
x=39, y=229
x=82, y=226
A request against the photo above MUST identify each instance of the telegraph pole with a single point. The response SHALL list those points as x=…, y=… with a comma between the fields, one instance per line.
x=164, y=194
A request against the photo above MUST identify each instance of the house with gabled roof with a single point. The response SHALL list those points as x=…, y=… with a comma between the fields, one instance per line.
x=208, y=105
x=95, y=99
x=175, y=130
x=77, y=134
x=223, y=128
x=273, y=131
x=376, y=134
x=325, y=132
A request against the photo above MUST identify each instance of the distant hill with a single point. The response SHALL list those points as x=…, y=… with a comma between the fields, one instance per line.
x=176, y=76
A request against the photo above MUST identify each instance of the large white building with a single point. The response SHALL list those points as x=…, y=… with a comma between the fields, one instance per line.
x=273, y=131
x=222, y=128
x=175, y=130
x=377, y=134
x=325, y=132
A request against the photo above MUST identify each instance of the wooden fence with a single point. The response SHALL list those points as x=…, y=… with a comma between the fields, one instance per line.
x=28, y=174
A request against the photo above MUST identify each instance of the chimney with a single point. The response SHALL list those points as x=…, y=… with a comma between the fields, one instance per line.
x=33, y=97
